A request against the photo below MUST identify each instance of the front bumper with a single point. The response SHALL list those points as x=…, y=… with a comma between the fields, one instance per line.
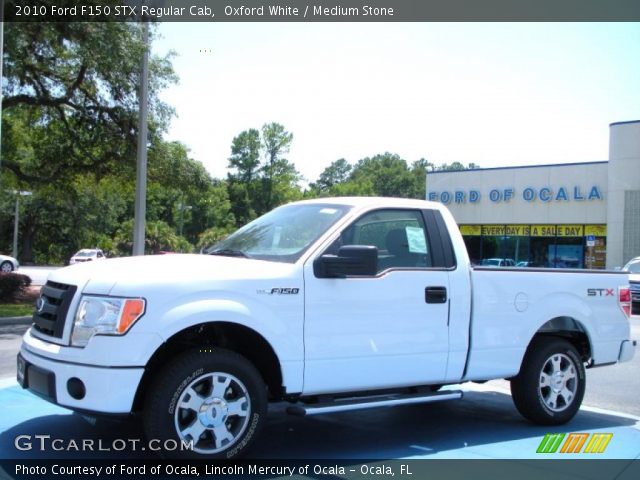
x=106, y=390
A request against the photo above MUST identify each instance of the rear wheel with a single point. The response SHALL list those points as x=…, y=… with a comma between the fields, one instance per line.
x=551, y=383
x=214, y=400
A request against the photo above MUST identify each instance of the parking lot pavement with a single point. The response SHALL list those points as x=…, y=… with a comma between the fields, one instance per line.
x=484, y=425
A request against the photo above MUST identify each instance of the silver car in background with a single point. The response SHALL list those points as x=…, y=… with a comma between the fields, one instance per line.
x=8, y=264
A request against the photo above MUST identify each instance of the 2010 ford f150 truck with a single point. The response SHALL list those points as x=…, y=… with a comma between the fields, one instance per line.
x=332, y=305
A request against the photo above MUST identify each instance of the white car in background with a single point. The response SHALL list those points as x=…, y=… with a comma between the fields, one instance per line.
x=87, y=255
x=633, y=267
x=498, y=262
x=8, y=264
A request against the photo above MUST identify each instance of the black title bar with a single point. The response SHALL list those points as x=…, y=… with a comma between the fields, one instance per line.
x=406, y=469
x=323, y=11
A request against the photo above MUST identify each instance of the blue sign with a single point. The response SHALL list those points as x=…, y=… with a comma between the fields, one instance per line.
x=529, y=194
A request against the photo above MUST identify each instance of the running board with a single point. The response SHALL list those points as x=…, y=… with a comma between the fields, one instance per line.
x=349, y=404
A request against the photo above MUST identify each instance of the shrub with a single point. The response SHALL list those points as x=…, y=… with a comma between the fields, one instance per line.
x=12, y=285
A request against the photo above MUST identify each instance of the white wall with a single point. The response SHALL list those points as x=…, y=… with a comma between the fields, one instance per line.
x=624, y=176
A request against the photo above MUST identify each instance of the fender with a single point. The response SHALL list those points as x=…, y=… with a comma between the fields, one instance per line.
x=282, y=330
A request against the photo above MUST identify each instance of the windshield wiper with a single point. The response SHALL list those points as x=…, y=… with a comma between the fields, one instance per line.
x=229, y=252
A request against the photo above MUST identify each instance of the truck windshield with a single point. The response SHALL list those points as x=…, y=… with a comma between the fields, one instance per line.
x=281, y=235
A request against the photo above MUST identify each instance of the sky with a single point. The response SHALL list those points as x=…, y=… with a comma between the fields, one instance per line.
x=496, y=94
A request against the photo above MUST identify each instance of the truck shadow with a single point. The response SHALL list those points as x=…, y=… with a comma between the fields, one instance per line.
x=450, y=429
x=481, y=419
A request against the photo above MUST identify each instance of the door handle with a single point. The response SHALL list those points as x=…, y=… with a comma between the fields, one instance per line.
x=435, y=295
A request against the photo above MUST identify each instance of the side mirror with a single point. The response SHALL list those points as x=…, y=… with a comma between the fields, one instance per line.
x=358, y=260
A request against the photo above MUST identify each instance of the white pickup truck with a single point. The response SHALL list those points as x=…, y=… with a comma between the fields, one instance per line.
x=332, y=305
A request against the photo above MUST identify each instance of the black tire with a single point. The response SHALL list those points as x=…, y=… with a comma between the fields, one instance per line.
x=182, y=404
x=551, y=383
x=6, y=266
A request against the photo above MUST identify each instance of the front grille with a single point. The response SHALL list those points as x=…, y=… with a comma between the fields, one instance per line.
x=52, y=307
x=635, y=298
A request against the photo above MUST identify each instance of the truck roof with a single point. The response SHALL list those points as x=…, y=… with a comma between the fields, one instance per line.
x=375, y=202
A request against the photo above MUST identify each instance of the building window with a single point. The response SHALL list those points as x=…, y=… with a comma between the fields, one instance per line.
x=546, y=246
x=595, y=255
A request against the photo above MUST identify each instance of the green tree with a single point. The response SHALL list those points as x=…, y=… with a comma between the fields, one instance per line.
x=334, y=174
x=242, y=201
x=212, y=209
x=55, y=222
x=419, y=170
x=245, y=156
x=243, y=179
x=77, y=98
x=388, y=173
x=260, y=176
x=276, y=142
x=159, y=236
x=212, y=235
x=362, y=187
x=89, y=211
x=69, y=128
x=382, y=175
x=456, y=166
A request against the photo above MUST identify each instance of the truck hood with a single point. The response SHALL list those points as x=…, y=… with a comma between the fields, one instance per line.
x=134, y=276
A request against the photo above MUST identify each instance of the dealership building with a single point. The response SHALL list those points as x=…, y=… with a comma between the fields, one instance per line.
x=574, y=215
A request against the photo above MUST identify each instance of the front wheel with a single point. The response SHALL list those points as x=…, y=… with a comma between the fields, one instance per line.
x=551, y=383
x=211, y=399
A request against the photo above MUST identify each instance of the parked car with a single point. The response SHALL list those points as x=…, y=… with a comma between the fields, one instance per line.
x=8, y=264
x=633, y=267
x=87, y=255
x=498, y=262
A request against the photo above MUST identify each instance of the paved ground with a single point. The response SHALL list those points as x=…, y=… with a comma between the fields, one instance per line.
x=483, y=425
x=10, y=339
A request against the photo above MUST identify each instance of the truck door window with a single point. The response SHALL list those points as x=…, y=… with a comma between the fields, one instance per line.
x=399, y=236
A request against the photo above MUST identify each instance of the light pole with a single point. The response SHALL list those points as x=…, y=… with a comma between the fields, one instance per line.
x=14, y=254
x=141, y=177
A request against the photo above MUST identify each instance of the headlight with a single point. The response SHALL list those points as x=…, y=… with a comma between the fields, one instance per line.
x=104, y=315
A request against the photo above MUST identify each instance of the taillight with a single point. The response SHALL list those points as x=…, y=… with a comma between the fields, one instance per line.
x=624, y=300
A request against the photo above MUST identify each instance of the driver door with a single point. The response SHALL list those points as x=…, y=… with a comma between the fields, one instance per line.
x=380, y=331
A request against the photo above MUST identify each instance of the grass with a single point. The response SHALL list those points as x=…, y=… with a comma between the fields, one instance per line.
x=22, y=304
x=16, y=309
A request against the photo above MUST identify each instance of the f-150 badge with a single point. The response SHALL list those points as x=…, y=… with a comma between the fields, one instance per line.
x=280, y=291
